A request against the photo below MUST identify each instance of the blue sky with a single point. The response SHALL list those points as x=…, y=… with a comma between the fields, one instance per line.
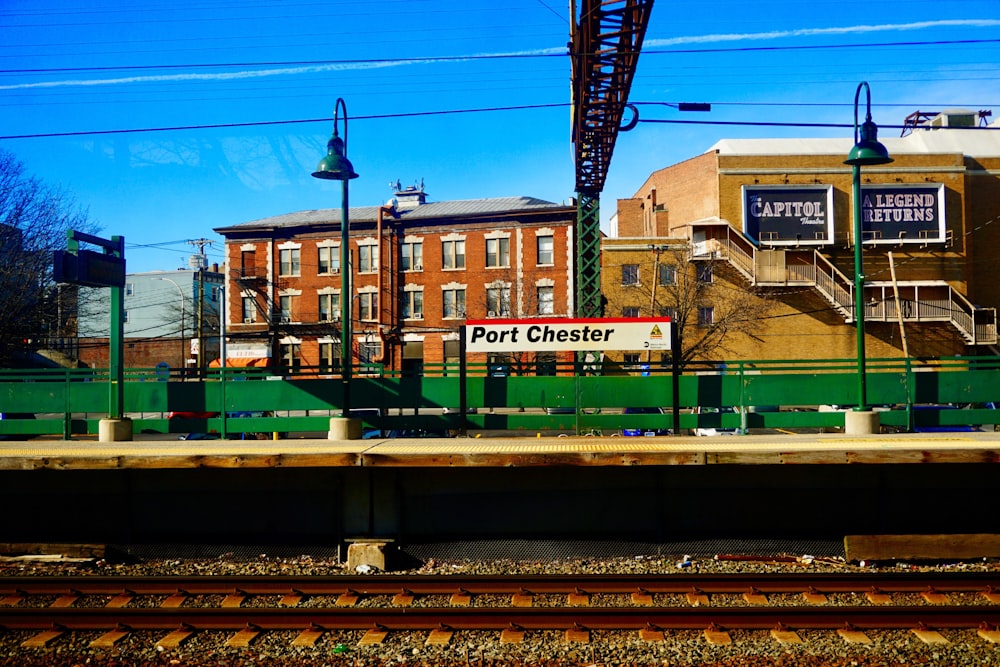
x=256, y=83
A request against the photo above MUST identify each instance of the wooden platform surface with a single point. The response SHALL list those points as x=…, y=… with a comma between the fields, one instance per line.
x=780, y=449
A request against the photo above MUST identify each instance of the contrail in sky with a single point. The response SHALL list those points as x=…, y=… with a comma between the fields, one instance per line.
x=813, y=32
x=338, y=67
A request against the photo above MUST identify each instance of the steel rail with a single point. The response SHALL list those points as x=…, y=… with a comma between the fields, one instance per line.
x=496, y=618
x=505, y=584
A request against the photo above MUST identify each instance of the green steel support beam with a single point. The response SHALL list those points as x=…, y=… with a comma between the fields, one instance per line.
x=605, y=40
x=588, y=256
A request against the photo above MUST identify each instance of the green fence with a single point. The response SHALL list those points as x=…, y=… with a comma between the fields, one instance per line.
x=921, y=394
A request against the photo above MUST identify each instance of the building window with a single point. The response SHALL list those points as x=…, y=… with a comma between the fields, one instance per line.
x=667, y=311
x=368, y=352
x=285, y=305
x=328, y=260
x=124, y=317
x=705, y=274
x=451, y=353
x=412, y=256
x=631, y=360
x=668, y=275
x=413, y=305
x=248, y=264
x=454, y=303
x=215, y=293
x=630, y=311
x=367, y=306
x=453, y=254
x=289, y=262
x=129, y=289
x=630, y=274
x=497, y=252
x=497, y=302
x=290, y=357
x=546, y=300
x=329, y=357
x=249, y=309
x=367, y=258
x=546, y=255
x=329, y=307
x=706, y=316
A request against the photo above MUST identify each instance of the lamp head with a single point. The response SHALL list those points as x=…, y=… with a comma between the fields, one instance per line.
x=335, y=166
x=868, y=150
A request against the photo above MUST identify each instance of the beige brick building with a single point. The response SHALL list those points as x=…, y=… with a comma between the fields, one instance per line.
x=773, y=218
x=419, y=270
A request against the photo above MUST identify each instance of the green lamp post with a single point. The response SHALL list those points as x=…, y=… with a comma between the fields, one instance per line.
x=867, y=151
x=336, y=167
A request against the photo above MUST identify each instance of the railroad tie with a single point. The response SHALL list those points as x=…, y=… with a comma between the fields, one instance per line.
x=439, y=636
x=522, y=598
x=852, y=635
x=651, y=634
x=928, y=636
x=812, y=596
x=461, y=598
x=291, y=600
x=578, y=634
x=696, y=598
x=348, y=598
x=110, y=638
x=175, y=638
x=578, y=598
x=175, y=600
x=11, y=600
x=374, y=635
x=243, y=638
x=784, y=635
x=234, y=600
x=512, y=635
x=716, y=635
x=42, y=639
x=308, y=637
x=989, y=633
x=119, y=601
x=754, y=596
x=642, y=597
x=875, y=596
x=404, y=598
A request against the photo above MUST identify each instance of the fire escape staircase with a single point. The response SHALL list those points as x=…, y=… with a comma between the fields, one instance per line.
x=807, y=267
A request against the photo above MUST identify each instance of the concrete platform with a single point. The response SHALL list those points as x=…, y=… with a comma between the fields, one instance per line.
x=157, y=452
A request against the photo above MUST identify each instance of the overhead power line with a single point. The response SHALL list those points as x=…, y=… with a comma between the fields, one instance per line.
x=415, y=114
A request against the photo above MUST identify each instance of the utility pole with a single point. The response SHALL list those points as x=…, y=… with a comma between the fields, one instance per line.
x=200, y=244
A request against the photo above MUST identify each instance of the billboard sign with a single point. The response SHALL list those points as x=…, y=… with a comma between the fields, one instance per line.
x=788, y=214
x=556, y=334
x=902, y=213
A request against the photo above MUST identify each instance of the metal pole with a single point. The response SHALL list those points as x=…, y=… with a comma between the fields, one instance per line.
x=222, y=358
x=859, y=285
x=116, y=352
x=346, y=335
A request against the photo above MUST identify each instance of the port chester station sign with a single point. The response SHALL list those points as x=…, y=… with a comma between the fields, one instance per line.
x=558, y=334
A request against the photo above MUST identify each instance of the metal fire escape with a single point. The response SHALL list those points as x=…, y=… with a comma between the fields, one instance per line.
x=605, y=41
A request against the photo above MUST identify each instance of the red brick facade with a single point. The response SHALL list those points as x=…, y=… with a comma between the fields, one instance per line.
x=418, y=273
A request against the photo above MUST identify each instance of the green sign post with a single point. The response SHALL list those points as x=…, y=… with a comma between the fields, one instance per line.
x=93, y=269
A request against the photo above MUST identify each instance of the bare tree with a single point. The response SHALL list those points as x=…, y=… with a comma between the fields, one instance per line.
x=708, y=304
x=34, y=218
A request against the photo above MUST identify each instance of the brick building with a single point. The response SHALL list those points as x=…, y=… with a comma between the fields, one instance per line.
x=773, y=218
x=419, y=270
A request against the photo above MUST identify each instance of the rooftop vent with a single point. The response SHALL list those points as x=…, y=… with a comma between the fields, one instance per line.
x=932, y=120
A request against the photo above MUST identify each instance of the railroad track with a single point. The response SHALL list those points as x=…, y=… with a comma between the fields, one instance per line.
x=117, y=606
